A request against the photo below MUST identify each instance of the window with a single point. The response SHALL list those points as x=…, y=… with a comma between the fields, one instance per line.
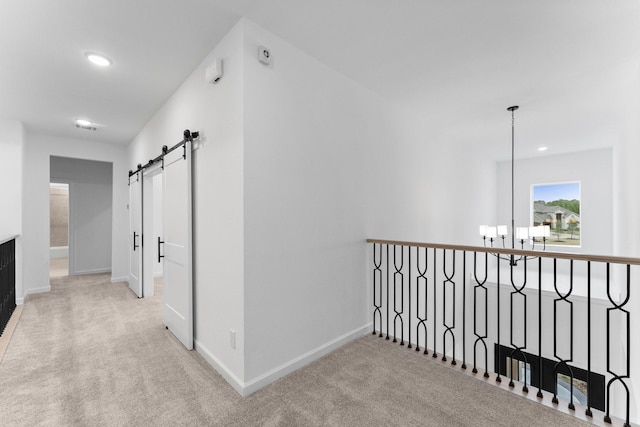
x=580, y=388
x=518, y=370
x=558, y=206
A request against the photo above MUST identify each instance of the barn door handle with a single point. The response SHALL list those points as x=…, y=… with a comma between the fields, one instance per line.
x=159, y=243
x=134, y=241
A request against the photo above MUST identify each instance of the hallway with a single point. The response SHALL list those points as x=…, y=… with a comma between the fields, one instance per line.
x=58, y=267
x=91, y=353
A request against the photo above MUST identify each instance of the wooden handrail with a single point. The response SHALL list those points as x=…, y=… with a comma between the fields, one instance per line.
x=5, y=238
x=542, y=254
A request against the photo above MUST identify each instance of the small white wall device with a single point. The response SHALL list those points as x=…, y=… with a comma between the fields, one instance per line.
x=264, y=55
x=213, y=73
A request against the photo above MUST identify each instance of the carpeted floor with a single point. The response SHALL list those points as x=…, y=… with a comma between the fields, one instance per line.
x=91, y=353
x=58, y=267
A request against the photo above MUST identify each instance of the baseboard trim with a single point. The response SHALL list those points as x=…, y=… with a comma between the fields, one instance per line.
x=59, y=252
x=294, y=364
x=95, y=271
x=246, y=388
x=38, y=290
x=119, y=279
x=220, y=367
x=20, y=301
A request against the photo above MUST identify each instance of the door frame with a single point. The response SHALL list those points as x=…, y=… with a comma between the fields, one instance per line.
x=139, y=180
x=70, y=229
x=149, y=251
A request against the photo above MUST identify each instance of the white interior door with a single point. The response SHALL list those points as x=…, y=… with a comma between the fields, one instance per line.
x=135, y=234
x=151, y=211
x=176, y=217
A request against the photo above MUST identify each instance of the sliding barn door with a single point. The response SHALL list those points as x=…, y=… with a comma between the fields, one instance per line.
x=176, y=218
x=135, y=234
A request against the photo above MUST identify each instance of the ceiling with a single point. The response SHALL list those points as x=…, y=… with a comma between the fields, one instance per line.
x=457, y=64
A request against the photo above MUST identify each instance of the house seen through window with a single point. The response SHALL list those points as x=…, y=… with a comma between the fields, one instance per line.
x=558, y=206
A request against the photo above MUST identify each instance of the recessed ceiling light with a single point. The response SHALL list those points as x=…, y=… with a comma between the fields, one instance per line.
x=542, y=148
x=83, y=122
x=86, y=124
x=98, y=59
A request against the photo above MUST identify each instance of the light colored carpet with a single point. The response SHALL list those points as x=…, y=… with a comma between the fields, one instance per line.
x=8, y=330
x=58, y=267
x=91, y=353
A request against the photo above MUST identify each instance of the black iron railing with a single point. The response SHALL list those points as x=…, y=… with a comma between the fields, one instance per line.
x=557, y=322
x=7, y=282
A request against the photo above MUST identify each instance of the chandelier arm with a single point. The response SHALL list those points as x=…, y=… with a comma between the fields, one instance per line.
x=503, y=258
x=513, y=260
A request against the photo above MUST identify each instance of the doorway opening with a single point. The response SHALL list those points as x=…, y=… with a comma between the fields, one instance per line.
x=152, y=226
x=83, y=219
x=59, y=229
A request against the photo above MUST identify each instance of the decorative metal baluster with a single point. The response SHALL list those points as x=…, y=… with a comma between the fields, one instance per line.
x=498, y=378
x=398, y=276
x=435, y=323
x=421, y=320
x=627, y=315
x=561, y=361
x=540, y=368
x=4, y=285
x=448, y=328
x=409, y=306
x=480, y=284
x=518, y=349
x=388, y=268
x=7, y=282
x=588, y=410
x=377, y=279
x=464, y=310
x=618, y=317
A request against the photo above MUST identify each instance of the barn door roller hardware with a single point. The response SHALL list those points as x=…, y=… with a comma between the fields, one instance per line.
x=188, y=136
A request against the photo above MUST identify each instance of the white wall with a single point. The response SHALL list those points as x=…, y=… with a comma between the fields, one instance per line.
x=594, y=170
x=327, y=165
x=38, y=150
x=299, y=165
x=90, y=212
x=307, y=129
x=11, y=142
x=11, y=170
x=216, y=112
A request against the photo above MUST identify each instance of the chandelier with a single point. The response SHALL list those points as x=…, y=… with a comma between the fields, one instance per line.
x=500, y=232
